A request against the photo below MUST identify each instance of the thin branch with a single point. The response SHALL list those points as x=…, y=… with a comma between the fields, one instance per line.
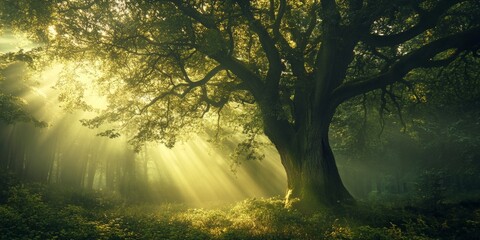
x=208, y=76
x=383, y=107
x=427, y=21
x=311, y=26
x=268, y=45
x=231, y=40
x=411, y=87
x=218, y=104
x=271, y=9
x=281, y=13
x=394, y=98
x=191, y=85
x=206, y=21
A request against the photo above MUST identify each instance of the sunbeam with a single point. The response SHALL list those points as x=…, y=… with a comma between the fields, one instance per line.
x=195, y=172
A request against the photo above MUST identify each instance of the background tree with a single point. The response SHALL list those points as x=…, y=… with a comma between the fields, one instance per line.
x=278, y=67
x=12, y=107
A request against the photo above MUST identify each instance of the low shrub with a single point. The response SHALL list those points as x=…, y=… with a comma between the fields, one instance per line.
x=31, y=211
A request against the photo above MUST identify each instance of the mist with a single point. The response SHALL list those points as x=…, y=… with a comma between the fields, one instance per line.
x=195, y=172
x=239, y=120
x=199, y=172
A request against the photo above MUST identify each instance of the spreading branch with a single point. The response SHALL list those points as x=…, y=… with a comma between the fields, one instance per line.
x=190, y=85
x=268, y=45
x=252, y=81
x=428, y=20
x=416, y=59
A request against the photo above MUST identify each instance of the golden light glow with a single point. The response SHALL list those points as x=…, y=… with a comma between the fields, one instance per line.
x=194, y=172
x=12, y=42
x=52, y=31
x=202, y=174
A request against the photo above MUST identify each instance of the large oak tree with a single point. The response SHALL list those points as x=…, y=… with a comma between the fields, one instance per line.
x=282, y=65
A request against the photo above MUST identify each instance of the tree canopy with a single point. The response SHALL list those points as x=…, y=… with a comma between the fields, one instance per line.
x=278, y=67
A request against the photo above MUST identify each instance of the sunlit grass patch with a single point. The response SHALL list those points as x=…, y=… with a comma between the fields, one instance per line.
x=38, y=212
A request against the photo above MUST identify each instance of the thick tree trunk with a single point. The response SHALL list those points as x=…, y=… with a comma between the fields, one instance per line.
x=312, y=175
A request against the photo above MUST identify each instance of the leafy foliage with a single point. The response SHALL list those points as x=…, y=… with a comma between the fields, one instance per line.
x=167, y=68
x=31, y=212
x=174, y=63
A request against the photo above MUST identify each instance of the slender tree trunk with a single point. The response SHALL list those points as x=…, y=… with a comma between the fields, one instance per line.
x=91, y=170
x=110, y=170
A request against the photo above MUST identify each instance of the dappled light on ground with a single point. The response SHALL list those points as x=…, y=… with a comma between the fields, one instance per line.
x=46, y=212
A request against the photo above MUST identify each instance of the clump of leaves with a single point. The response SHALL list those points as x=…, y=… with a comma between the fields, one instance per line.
x=35, y=211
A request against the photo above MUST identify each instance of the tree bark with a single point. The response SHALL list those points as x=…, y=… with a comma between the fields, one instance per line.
x=312, y=175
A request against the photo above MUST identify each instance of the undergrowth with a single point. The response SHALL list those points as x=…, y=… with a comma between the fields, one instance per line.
x=32, y=211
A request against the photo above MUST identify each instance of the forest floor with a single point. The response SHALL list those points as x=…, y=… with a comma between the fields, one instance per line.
x=34, y=211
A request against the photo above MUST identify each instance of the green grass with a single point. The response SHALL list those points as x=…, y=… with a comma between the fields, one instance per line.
x=41, y=212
